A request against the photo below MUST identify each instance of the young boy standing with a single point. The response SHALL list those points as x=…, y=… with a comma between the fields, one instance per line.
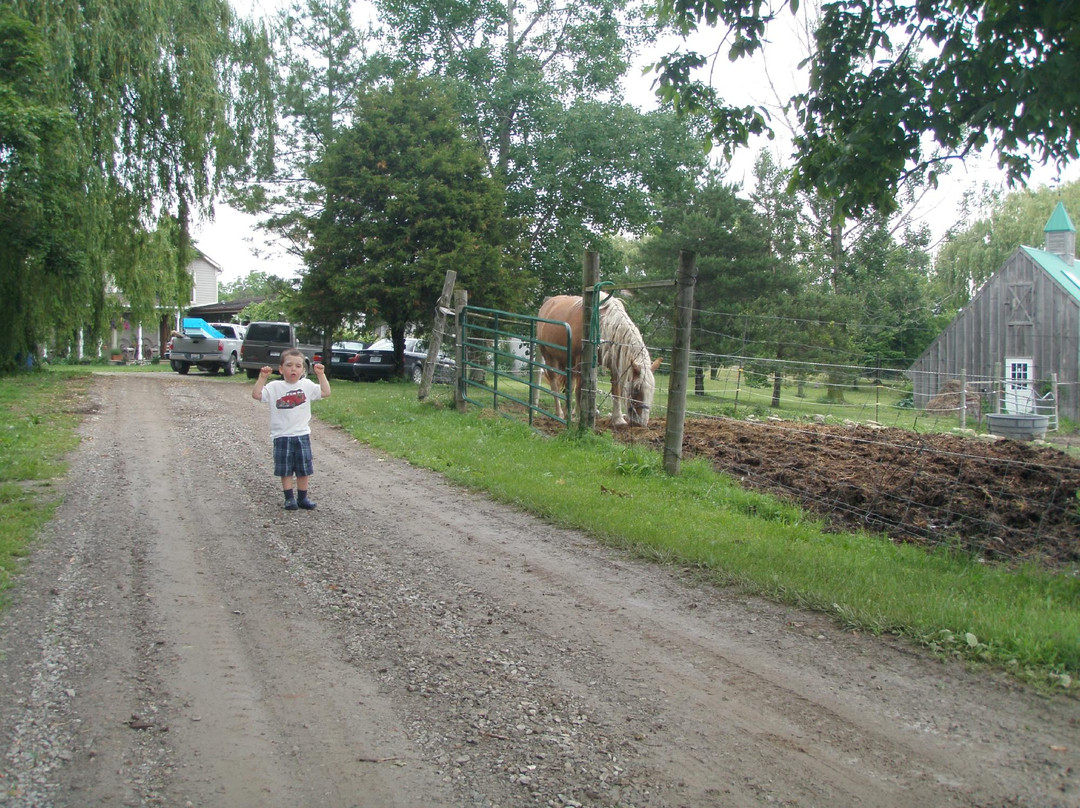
x=290, y=422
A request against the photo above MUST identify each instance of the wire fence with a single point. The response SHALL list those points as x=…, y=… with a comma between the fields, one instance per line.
x=750, y=386
x=847, y=442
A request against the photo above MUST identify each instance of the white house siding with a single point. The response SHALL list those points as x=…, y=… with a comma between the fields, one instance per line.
x=205, y=273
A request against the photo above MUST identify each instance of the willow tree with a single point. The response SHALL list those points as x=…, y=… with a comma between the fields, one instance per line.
x=119, y=120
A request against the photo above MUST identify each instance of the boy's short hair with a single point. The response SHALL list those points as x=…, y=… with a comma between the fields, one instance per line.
x=290, y=352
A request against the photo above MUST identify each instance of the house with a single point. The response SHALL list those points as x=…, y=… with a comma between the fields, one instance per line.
x=205, y=272
x=136, y=341
x=1020, y=331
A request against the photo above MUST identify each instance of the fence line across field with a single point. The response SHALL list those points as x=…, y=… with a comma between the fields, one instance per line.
x=856, y=439
x=845, y=391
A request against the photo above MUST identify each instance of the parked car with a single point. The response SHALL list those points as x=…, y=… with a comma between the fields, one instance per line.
x=342, y=360
x=377, y=362
x=264, y=343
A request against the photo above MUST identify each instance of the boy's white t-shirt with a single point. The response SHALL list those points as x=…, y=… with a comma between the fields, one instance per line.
x=290, y=406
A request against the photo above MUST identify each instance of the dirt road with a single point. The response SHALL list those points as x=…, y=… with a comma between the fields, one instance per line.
x=179, y=640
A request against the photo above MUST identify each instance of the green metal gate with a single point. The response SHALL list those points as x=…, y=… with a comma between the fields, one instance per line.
x=504, y=346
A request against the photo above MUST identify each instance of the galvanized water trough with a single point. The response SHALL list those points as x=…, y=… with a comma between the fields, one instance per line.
x=1018, y=426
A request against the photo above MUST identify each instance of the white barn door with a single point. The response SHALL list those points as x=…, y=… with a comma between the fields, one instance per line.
x=1019, y=392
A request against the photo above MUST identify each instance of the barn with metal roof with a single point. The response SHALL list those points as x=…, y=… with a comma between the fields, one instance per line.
x=1019, y=335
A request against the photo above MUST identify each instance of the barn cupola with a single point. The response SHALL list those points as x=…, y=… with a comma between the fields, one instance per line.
x=1061, y=235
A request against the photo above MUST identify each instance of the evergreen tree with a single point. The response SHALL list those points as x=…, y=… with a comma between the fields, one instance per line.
x=408, y=198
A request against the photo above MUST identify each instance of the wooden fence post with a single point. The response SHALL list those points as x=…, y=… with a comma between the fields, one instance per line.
x=590, y=276
x=435, y=343
x=680, y=362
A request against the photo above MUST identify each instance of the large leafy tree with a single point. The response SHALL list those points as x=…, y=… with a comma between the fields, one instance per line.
x=121, y=118
x=901, y=88
x=408, y=197
x=539, y=86
x=323, y=66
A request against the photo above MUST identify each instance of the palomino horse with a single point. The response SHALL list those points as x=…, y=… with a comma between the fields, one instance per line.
x=622, y=352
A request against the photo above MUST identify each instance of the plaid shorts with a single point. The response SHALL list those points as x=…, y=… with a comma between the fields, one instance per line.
x=292, y=455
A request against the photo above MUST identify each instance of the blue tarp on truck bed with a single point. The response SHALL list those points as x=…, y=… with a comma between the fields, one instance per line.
x=198, y=327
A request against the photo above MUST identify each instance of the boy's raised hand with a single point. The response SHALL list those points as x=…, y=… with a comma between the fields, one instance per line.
x=264, y=372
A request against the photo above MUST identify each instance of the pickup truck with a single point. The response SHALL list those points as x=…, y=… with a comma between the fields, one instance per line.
x=210, y=346
x=265, y=342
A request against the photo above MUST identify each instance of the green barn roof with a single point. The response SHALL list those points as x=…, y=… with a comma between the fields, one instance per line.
x=1067, y=277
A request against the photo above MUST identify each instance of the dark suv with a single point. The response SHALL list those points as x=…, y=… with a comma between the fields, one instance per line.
x=264, y=343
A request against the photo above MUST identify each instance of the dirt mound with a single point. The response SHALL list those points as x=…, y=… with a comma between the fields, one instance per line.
x=1003, y=499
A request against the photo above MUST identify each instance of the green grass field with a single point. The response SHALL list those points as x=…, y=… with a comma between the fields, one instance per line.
x=39, y=413
x=739, y=394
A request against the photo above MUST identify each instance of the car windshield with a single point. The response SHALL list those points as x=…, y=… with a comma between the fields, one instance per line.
x=382, y=345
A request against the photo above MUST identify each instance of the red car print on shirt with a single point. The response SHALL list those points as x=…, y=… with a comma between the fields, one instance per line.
x=294, y=398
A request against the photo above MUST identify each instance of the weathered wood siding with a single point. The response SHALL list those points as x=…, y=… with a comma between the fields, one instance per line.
x=1020, y=312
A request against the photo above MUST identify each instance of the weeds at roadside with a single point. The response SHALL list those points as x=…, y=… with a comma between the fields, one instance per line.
x=33, y=447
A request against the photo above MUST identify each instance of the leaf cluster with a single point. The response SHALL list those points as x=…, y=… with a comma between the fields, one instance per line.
x=901, y=89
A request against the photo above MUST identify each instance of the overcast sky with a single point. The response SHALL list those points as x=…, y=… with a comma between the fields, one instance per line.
x=234, y=242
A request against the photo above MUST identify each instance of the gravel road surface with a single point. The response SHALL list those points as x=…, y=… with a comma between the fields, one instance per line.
x=179, y=640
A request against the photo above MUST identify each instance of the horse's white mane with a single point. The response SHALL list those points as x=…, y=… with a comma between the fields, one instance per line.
x=621, y=343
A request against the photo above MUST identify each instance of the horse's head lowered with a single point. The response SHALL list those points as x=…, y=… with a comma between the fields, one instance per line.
x=640, y=390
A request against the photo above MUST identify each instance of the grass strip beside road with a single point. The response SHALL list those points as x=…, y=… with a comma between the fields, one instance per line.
x=1023, y=620
x=39, y=413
